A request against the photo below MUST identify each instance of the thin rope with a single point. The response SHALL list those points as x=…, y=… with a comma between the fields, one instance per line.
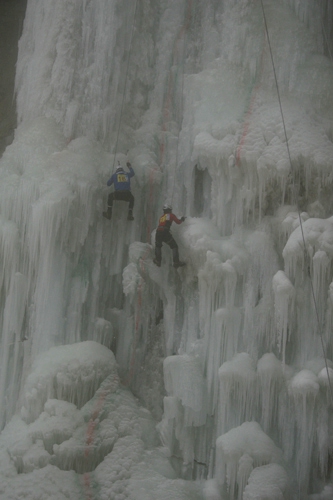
x=142, y=261
x=185, y=28
x=181, y=115
x=299, y=214
x=326, y=39
x=125, y=86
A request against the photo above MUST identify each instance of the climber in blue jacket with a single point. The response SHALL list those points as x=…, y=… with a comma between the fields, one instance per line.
x=122, y=185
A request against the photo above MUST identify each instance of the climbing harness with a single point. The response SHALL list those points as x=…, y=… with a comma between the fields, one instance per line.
x=298, y=210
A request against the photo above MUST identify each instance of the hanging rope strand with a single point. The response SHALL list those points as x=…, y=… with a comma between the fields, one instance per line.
x=298, y=210
x=125, y=85
x=181, y=117
x=184, y=29
x=326, y=40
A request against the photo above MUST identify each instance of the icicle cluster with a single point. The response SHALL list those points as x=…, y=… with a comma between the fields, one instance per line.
x=232, y=354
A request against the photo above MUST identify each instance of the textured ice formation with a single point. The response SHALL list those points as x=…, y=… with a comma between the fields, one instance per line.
x=186, y=92
x=268, y=481
x=106, y=444
x=240, y=451
x=72, y=373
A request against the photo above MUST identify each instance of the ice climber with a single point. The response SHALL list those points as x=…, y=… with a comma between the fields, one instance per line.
x=163, y=235
x=122, y=190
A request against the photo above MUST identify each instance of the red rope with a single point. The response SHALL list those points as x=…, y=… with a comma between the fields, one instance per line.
x=249, y=111
x=166, y=114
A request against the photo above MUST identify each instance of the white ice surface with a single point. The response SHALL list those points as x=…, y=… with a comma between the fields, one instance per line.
x=201, y=123
x=269, y=482
x=108, y=446
x=241, y=450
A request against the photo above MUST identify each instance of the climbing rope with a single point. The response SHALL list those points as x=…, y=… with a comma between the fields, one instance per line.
x=137, y=320
x=125, y=86
x=181, y=106
x=298, y=210
x=252, y=95
x=326, y=40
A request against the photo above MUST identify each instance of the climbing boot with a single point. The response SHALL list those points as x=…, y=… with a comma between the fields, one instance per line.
x=175, y=258
x=108, y=213
x=157, y=262
x=130, y=215
x=179, y=264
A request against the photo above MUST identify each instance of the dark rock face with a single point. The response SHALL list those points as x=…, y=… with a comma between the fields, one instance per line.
x=11, y=22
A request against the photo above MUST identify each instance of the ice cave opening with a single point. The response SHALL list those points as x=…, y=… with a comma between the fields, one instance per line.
x=120, y=379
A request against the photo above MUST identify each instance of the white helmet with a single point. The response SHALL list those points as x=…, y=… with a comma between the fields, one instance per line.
x=119, y=169
x=167, y=207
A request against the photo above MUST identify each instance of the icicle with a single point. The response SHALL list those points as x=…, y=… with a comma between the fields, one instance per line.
x=245, y=467
x=221, y=344
x=9, y=252
x=11, y=346
x=284, y=298
x=321, y=273
x=237, y=382
x=183, y=379
x=270, y=382
x=304, y=388
x=237, y=450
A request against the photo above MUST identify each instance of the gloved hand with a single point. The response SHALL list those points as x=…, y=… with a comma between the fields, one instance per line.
x=182, y=218
x=128, y=164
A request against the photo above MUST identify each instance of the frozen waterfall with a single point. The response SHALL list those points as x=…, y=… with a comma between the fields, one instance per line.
x=123, y=380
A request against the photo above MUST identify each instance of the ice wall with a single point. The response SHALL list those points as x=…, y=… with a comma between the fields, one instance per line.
x=232, y=354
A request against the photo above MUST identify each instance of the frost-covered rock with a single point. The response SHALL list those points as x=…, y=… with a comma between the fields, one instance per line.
x=72, y=373
x=269, y=482
x=110, y=441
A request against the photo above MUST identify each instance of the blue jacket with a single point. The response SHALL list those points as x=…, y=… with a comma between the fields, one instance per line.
x=121, y=180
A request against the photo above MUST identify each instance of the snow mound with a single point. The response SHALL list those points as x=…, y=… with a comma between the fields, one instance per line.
x=107, y=448
x=318, y=236
x=239, y=451
x=304, y=383
x=70, y=372
x=268, y=482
